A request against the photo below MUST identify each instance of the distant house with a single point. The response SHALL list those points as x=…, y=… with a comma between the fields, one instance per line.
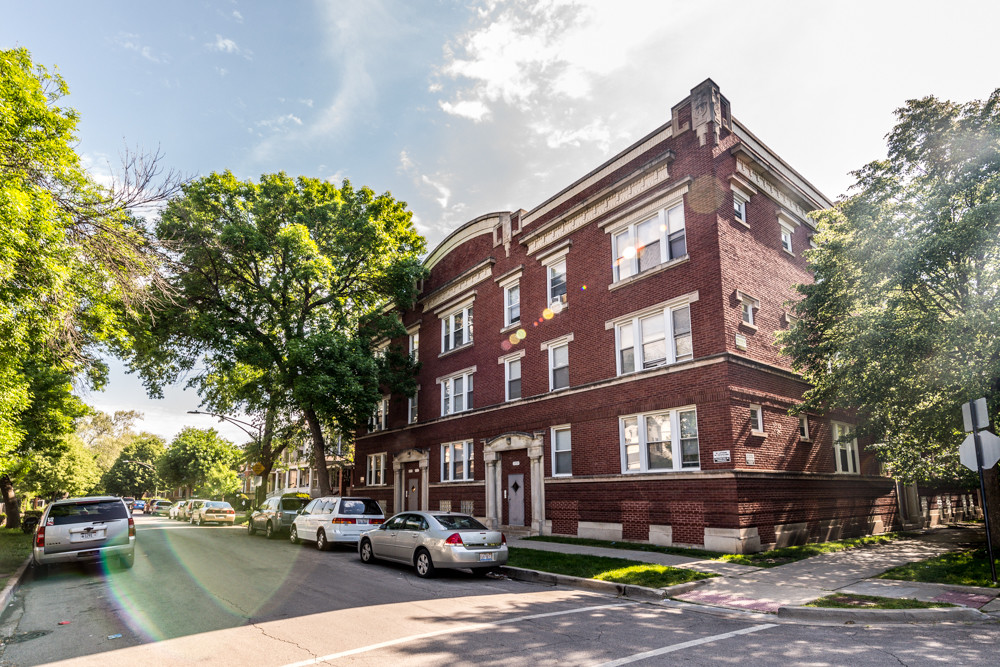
x=604, y=365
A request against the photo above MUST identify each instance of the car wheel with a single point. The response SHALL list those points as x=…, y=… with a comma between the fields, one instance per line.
x=424, y=564
x=293, y=535
x=269, y=531
x=127, y=561
x=250, y=529
x=321, y=542
x=40, y=571
x=365, y=552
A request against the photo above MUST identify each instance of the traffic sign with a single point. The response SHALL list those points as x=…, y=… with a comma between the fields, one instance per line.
x=991, y=450
x=982, y=418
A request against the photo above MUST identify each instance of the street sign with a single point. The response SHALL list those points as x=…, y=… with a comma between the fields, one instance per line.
x=991, y=450
x=982, y=418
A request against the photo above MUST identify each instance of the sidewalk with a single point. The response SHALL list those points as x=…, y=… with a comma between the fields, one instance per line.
x=851, y=571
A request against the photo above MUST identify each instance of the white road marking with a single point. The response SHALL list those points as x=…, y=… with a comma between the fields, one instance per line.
x=679, y=647
x=461, y=628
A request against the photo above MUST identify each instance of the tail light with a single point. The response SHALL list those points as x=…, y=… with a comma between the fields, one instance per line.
x=503, y=539
x=40, y=537
x=344, y=521
x=376, y=522
x=230, y=511
x=454, y=539
x=131, y=527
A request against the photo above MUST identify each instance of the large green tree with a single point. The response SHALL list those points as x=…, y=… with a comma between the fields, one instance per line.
x=74, y=262
x=282, y=289
x=69, y=471
x=902, y=321
x=200, y=459
x=134, y=473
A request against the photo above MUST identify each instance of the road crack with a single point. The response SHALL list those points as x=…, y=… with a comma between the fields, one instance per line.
x=267, y=634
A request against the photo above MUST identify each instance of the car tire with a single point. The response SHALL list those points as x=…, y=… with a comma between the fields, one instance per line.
x=39, y=571
x=423, y=564
x=293, y=535
x=269, y=531
x=250, y=529
x=127, y=561
x=365, y=552
x=321, y=542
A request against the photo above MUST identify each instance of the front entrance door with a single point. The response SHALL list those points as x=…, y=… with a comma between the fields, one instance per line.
x=515, y=500
x=413, y=493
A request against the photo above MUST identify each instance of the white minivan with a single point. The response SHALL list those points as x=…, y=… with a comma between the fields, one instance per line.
x=333, y=519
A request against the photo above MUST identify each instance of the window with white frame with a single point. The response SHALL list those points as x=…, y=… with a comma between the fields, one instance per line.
x=658, y=338
x=376, y=470
x=756, y=419
x=804, y=427
x=456, y=329
x=660, y=441
x=512, y=304
x=786, y=237
x=456, y=461
x=559, y=366
x=845, y=449
x=740, y=207
x=415, y=345
x=556, y=282
x=411, y=408
x=562, y=451
x=749, y=307
x=512, y=378
x=647, y=244
x=456, y=393
x=380, y=419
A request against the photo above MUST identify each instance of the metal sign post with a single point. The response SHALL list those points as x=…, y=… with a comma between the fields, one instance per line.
x=982, y=486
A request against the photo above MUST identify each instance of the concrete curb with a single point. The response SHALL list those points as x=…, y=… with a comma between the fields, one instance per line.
x=608, y=587
x=932, y=615
x=12, y=584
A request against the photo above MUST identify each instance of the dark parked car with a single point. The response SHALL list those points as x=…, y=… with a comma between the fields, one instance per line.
x=277, y=514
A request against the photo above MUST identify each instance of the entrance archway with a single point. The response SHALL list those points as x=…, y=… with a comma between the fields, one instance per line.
x=402, y=461
x=495, y=485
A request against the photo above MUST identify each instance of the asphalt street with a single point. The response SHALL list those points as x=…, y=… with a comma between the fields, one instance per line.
x=215, y=596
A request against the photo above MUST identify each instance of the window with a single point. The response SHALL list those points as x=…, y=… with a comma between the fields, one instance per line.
x=456, y=461
x=558, y=366
x=557, y=282
x=513, y=378
x=845, y=449
x=512, y=304
x=456, y=329
x=411, y=408
x=804, y=427
x=739, y=207
x=376, y=469
x=415, y=345
x=660, y=441
x=749, y=306
x=644, y=245
x=756, y=420
x=643, y=341
x=456, y=393
x=786, y=238
x=562, y=451
x=380, y=419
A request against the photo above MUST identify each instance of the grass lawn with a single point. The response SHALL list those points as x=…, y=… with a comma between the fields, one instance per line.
x=618, y=570
x=15, y=547
x=847, y=601
x=771, y=558
x=959, y=568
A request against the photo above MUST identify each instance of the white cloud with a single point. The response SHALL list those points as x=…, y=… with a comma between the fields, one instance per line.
x=281, y=123
x=226, y=45
x=237, y=16
x=472, y=109
x=444, y=193
x=131, y=42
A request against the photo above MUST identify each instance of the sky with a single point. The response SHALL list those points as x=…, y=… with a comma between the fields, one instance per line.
x=461, y=108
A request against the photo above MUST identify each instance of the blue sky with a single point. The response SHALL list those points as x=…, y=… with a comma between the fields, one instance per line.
x=462, y=108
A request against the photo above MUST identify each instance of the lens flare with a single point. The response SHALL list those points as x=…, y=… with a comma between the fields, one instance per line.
x=514, y=340
x=521, y=334
x=548, y=314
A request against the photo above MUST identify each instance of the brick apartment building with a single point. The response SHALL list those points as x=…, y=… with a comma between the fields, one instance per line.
x=622, y=379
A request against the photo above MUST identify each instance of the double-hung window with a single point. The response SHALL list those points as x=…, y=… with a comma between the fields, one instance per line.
x=456, y=461
x=739, y=207
x=647, y=244
x=756, y=420
x=380, y=418
x=456, y=329
x=556, y=282
x=456, y=393
x=845, y=449
x=415, y=345
x=512, y=304
x=558, y=366
x=748, y=307
x=512, y=377
x=658, y=338
x=562, y=451
x=660, y=441
x=411, y=407
x=376, y=469
x=804, y=428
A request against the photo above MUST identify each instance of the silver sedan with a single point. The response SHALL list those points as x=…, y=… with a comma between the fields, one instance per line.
x=432, y=540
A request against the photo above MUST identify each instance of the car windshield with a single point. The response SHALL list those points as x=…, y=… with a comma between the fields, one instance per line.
x=359, y=506
x=293, y=504
x=459, y=522
x=83, y=512
x=218, y=506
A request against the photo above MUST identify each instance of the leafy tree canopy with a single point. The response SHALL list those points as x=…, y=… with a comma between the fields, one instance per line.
x=902, y=321
x=194, y=456
x=134, y=473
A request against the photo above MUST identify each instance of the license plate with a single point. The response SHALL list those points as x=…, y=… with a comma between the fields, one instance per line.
x=487, y=557
x=362, y=522
x=83, y=537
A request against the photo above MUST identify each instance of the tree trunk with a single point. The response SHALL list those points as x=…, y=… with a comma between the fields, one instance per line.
x=267, y=457
x=991, y=480
x=319, y=451
x=11, y=506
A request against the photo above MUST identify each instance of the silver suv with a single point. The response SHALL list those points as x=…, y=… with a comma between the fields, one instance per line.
x=75, y=530
x=275, y=516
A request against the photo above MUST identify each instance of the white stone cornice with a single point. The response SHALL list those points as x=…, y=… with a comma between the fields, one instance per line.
x=457, y=287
